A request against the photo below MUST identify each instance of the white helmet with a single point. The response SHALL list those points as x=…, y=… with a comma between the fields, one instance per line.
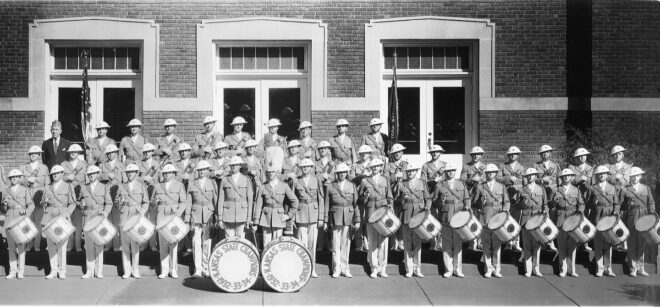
x=102, y=125
x=208, y=119
x=250, y=143
x=202, y=165
x=305, y=124
x=235, y=160
x=617, y=149
x=581, y=152
x=375, y=121
x=131, y=168
x=274, y=122
x=436, y=148
x=238, y=120
x=75, y=148
x=396, y=148
x=220, y=145
x=545, y=148
x=293, y=143
x=93, y=169
x=365, y=149
x=169, y=168
x=491, y=168
x=35, y=149
x=183, y=147
x=376, y=162
x=306, y=162
x=134, y=123
x=566, y=172
x=342, y=167
x=450, y=167
x=111, y=148
x=513, y=150
x=477, y=150
x=148, y=147
x=169, y=122
x=56, y=169
x=411, y=167
x=323, y=144
x=342, y=122
x=530, y=171
x=634, y=171
x=14, y=173
x=601, y=169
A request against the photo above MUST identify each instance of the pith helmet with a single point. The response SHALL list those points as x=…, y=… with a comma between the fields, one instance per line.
x=342, y=167
x=293, y=143
x=342, y=122
x=274, y=122
x=617, y=149
x=581, y=152
x=477, y=150
x=208, y=119
x=238, y=120
x=220, y=145
x=102, y=125
x=324, y=144
x=450, y=167
x=306, y=162
x=375, y=121
x=365, y=149
x=15, y=173
x=93, y=169
x=131, y=168
x=601, y=169
x=396, y=148
x=513, y=150
x=56, y=169
x=375, y=162
x=75, y=148
x=435, y=148
x=35, y=150
x=148, y=147
x=235, y=160
x=251, y=143
x=566, y=172
x=184, y=146
x=111, y=148
x=634, y=171
x=491, y=168
x=530, y=171
x=169, y=168
x=305, y=124
x=202, y=165
x=545, y=148
x=169, y=122
x=134, y=123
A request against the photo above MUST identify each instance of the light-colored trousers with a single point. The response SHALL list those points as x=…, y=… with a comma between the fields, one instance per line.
x=93, y=257
x=452, y=249
x=566, y=248
x=270, y=234
x=531, y=251
x=378, y=249
x=341, y=247
x=308, y=234
x=234, y=230
x=636, y=246
x=412, y=248
x=16, y=256
x=169, y=261
x=492, y=249
x=130, y=253
x=201, y=242
x=57, y=256
x=602, y=249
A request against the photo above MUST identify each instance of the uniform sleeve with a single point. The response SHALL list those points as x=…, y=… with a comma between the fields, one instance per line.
x=321, y=200
x=353, y=153
x=544, y=201
x=121, y=155
x=144, y=203
x=650, y=202
x=221, y=199
x=184, y=200
x=250, y=199
x=427, y=195
x=256, y=214
x=618, y=197
x=291, y=196
x=580, y=203
x=476, y=197
x=327, y=204
x=506, y=204
x=356, y=210
x=466, y=198
x=43, y=178
x=107, y=201
x=30, y=204
x=71, y=199
x=464, y=174
x=389, y=196
x=187, y=212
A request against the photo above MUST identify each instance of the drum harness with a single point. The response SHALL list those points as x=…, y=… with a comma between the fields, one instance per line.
x=342, y=148
x=82, y=198
x=378, y=146
x=60, y=202
x=13, y=198
x=630, y=189
x=565, y=198
x=528, y=196
x=452, y=192
x=491, y=196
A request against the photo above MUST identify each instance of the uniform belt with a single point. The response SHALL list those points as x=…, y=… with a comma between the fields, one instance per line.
x=55, y=206
x=198, y=205
x=309, y=202
x=15, y=207
x=376, y=198
x=412, y=202
x=233, y=199
x=273, y=206
x=449, y=202
x=130, y=206
x=342, y=205
x=489, y=204
x=566, y=208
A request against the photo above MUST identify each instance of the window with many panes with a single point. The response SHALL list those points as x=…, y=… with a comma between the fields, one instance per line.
x=454, y=58
x=249, y=58
x=100, y=58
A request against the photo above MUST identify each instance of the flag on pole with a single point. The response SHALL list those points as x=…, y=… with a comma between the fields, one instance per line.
x=393, y=108
x=85, y=115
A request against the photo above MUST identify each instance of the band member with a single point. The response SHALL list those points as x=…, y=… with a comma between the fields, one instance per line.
x=493, y=198
x=54, y=149
x=185, y=166
x=35, y=178
x=219, y=165
x=359, y=171
x=150, y=175
x=236, y=140
x=235, y=201
x=270, y=212
x=583, y=178
x=203, y=193
x=341, y=213
x=374, y=193
x=343, y=149
x=74, y=174
x=394, y=173
x=568, y=200
x=96, y=146
x=290, y=169
x=531, y=200
x=95, y=201
x=207, y=138
x=58, y=200
x=16, y=202
x=603, y=199
x=376, y=139
x=311, y=208
x=307, y=143
x=324, y=165
x=432, y=171
x=619, y=170
x=253, y=166
x=548, y=174
x=112, y=174
x=512, y=178
x=130, y=147
x=271, y=139
x=413, y=197
x=169, y=140
x=450, y=196
x=170, y=197
x=638, y=201
x=472, y=174
x=132, y=199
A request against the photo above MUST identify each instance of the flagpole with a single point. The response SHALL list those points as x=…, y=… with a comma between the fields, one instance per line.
x=84, y=97
x=394, y=107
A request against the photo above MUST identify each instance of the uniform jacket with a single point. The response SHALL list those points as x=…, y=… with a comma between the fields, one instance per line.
x=449, y=200
x=532, y=200
x=567, y=200
x=637, y=203
x=219, y=167
x=587, y=173
x=132, y=152
x=96, y=147
x=204, y=201
x=328, y=168
x=133, y=201
x=470, y=170
x=548, y=176
x=343, y=150
x=374, y=193
x=267, y=141
x=254, y=164
x=172, y=145
x=430, y=170
x=378, y=145
x=58, y=201
x=53, y=156
x=237, y=143
x=508, y=171
x=95, y=202
x=311, y=200
x=78, y=172
x=16, y=204
x=203, y=140
x=40, y=173
x=308, y=149
x=185, y=168
x=392, y=167
x=414, y=197
x=172, y=200
x=602, y=202
x=235, y=200
x=269, y=210
x=491, y=201
x=150, y=172
x=359, y=171
x=341, y=204
x=117, y=170
x=290, y=165
x=623, y=170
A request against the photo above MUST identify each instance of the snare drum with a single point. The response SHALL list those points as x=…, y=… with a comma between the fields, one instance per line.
x=504, y=226
x=579, y=228
x=138, y=228
x=425, y=225
x=542, y=228
x=21, y=230
x=58, y=229
x=234, y=265
x=466, y=225
x=385, y=221
x=649, y=226
x=100, y=230
x=172, y=228
x=613, y=229
x=286, y=265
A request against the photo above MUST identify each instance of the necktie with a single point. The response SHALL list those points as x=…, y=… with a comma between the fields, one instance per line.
x=56, y=144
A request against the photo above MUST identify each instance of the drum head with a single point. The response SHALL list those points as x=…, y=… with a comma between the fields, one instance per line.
x=92, y=223
x=498, y=220
x=606, y=223
x=646, y=223
x=131, y=222
x=52, y=221
x=377, y=215
x=459, y=219
x=535, y=221
x=234, y=265
x=417, y=219
x=286, y=265
x=164, y=221
x=15, y=221
x=572, y=222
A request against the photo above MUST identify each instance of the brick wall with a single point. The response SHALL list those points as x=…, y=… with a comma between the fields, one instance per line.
x=530, y=37
x=189, y=124
x=324, y=123
x=18, y=131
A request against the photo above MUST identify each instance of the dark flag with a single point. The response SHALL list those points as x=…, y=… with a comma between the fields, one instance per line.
x=85, y=115
x=393, y=108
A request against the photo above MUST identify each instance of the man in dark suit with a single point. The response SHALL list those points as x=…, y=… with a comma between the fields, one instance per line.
x=55, y=148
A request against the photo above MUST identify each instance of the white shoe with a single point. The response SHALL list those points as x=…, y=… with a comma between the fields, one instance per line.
x=198, y=274
x=573, y=274
x=497, y=274
x=61, y=275
x=383, y=274
x=599, y=274
x=87, y=275
x=609, y=273
x=562, y=274
x=641, y=273
x=136, y=275
x=528, y=274
x=418, y=273
x=489, y=273
x=51, y=275
x=174, y=275
x=633, y=274
x=125, y=276
x=408, y=275
x=161, y=276
x=99, y=276
x=336, y=274
x=314, y=275
x=20, y=275
x=348, y=274
x=537, y=273
x=11, y=275
x=373, y=274
x=459, y=274
x=447, y=274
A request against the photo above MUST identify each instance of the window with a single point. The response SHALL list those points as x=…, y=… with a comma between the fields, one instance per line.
x=428, y=57
x=100, y=58
x=262, y=58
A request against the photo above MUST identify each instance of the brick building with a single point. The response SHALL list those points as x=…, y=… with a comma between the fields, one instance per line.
x=491, y=73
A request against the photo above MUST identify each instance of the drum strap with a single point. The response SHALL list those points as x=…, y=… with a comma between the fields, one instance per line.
x=371, y=182
x=91, y=193
x=600, y=193
x=565, y=197
x=229, y=181
x=166, y=194
x=372, y=138
x=338, y=188
x=632, y=191
x=130, y=141
x=412, y=192
x=485, y=187
x=50, y=187
x=11, y=194
x=453, y=193
x=132, y=198
x=530, y=197
x=271, y=192
x=309, y=194
x=341, y=146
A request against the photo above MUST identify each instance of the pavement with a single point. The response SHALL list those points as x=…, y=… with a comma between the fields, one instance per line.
x=513, y=289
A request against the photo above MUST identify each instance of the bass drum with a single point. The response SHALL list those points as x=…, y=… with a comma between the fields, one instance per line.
x=649, y=227
x=579, y=228
x=542, y=228
x=21, y=229
x=234, y=265
x=286, y=265
x=504, y=226
x=613, y=229
x=425, y=225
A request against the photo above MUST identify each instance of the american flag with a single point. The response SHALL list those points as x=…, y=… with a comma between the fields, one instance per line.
x=85, y=115
x=393, y=108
